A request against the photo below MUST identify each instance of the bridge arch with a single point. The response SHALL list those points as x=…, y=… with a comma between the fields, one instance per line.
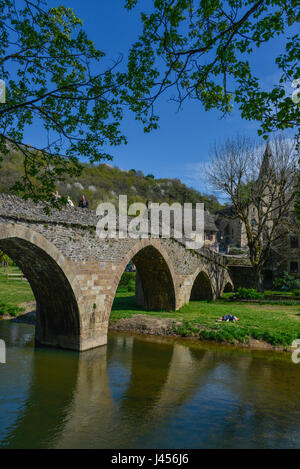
x=227, y=284
x=52, y=282
x=202, y=288
x=156, y=280
x=228, y=287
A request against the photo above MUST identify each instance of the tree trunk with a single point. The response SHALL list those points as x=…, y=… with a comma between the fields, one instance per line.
x=260, y=280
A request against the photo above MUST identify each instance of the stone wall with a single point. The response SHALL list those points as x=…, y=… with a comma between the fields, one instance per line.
x=242, y=276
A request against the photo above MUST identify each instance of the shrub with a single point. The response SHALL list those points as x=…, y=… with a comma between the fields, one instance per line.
x=286, y=282
x=12, y=310
x=5, y=260
x=126, y=279
x=249, y=294
x=186, y=328
x=236, y=251
x=296, y=292
x=295, y=285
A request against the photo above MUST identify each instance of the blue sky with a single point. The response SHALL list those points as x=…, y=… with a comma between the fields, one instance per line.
x=181, y=145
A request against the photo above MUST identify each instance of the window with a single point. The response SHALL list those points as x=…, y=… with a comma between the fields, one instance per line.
x=294, y=267
x=294, y=242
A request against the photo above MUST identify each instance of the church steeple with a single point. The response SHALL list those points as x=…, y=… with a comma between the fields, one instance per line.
x=267, y=162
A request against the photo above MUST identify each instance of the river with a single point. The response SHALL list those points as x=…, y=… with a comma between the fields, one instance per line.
x=146, y=392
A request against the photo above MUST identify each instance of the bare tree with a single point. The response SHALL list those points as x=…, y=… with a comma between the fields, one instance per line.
x=261, y=186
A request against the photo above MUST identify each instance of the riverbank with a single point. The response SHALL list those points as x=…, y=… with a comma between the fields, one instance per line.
x=143, y=324
x=264, y=325
x=148, y=324
x=273, y=325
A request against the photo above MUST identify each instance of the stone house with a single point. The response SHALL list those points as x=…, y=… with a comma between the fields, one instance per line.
x=231, y=231
x=210, y=231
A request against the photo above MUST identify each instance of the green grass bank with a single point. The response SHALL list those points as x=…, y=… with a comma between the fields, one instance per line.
x=277, y=323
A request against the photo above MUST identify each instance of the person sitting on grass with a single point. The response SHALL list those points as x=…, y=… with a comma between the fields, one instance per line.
x=227, y=318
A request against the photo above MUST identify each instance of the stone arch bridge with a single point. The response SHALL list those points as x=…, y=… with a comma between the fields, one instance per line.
x=74, y=274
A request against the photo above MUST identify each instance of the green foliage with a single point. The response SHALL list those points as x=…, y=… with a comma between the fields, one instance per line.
x=186, y=328
x=230, y=335
x=249, y=294
x=203, y=51
x=275, y=337
x=236, y=251
x=233, y=334
x=296, y=284
x=127, y=282
x=126, y=279
x=47, y=62
x=296, y=292
x=5, y=260
x=10, y=309
x=286, y=282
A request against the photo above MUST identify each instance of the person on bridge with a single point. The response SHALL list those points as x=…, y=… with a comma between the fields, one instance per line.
x=69, y=202
x=83, y=203
x=55, y=197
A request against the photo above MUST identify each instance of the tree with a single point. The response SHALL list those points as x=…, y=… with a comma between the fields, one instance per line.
x=4, y=259
x=56, y=81
x=297, y=197
x=261, y=187
x=201, y=50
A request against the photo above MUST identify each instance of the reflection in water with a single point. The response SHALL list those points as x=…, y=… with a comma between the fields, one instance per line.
x=141, y=392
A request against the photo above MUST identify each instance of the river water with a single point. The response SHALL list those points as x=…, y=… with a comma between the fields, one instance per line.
x=144, y=392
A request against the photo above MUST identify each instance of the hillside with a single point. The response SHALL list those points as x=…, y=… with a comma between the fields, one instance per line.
x=103, y=182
